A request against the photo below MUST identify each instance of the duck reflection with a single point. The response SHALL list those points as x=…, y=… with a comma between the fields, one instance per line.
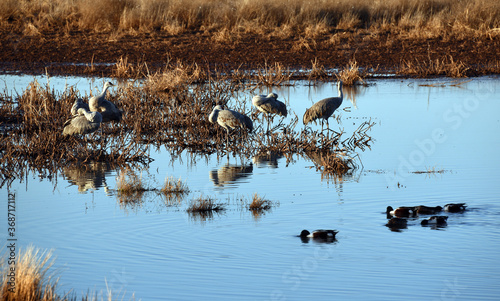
x=230, y=174
x=269, y=158
x=88, y=176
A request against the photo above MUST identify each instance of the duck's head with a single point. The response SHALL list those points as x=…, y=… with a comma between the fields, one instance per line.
x=304, y=233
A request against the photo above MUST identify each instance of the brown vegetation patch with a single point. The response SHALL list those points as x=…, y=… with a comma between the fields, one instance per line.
x=68, y=37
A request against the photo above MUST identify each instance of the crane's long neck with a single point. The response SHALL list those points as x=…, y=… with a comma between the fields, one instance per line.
x=103, y=94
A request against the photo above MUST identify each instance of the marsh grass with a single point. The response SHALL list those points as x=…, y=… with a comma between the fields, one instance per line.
x=204, y=204
x=434, y=67
x=273, y=75
x=36, y=281
x=281, y=18
x=155, y=115
x=351, y=75
x=130, y=187
x=173, y=186
x=33, y=134
x=33, y=280
x=204, y=208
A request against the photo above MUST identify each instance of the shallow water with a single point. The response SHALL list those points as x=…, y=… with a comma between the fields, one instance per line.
x=156, y=250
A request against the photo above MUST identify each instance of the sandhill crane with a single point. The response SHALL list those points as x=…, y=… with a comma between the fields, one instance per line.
x=230, y=119
x=108, y=110
x=324, y=108
x=269, y=105
x=84, y=123
x=77, y=105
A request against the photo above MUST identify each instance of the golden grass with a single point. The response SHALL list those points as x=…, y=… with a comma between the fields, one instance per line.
x=278, y=18
x=173, y=186
x=273, y=75
x=424, y=68
x=259, y=203
x=130, y=188
x=350, y=75
x=204, y=204
x=34, y=281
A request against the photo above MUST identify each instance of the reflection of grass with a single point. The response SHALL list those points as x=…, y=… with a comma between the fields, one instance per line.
x=33, y=281
x=430, y=170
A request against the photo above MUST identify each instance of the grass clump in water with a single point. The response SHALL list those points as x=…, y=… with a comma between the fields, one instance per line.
x=351, y=75
x=173, y=186
x=259, y=203
x=202, y=204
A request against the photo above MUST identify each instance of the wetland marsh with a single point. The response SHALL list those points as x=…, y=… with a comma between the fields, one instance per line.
x=431, y=142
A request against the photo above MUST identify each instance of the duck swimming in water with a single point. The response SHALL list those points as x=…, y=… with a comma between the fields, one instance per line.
x=318, y=235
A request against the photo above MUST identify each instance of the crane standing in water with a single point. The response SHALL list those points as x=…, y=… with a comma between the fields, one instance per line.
x=230, y=119
x=324, y=108
x=269, y=105
x=84, y=122
x=108, y=110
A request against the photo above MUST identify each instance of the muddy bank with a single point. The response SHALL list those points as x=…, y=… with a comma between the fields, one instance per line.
x=82, y=53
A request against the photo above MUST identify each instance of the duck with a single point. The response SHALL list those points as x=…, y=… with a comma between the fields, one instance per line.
x=400, y=212
x=438, y=220
x=325, y=235
x=454, y=208
x=427, y=210
x=397, y=223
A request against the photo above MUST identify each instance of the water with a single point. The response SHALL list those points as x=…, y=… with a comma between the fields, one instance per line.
x=157, y=251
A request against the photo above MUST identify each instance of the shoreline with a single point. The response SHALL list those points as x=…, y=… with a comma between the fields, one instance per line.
x=99, y=54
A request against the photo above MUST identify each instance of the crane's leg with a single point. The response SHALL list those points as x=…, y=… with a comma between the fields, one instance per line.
x=327, y=129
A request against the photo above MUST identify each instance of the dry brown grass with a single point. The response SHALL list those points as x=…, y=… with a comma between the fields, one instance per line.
x=203, y=208
x=273, y=75
x=204, y=204
x=34, y=280
x=173, y=186
x=175, y=117
x=282, y=17
x=351, y=75
x=434, y=67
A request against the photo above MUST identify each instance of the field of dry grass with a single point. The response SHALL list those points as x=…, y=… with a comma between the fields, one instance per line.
x=227, y=18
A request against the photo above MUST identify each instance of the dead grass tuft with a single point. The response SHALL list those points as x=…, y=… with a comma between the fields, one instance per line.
x=434, y=67
x=204, y=204
x=203, y=208
x=173, y=186
x=351, y=75
x=273, y=75
x=34, y=280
